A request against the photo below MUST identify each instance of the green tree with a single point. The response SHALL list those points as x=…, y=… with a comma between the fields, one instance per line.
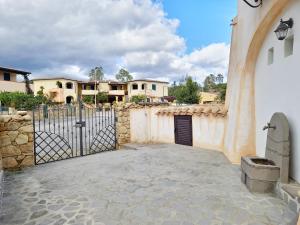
x=96, y=74
x=219, y=78
x=221, y=89
x=102, y=97
x=89, y=99
x=41, y=91
x=187, y=92
x=138, y=98
x=123, y=76
x=209, y=83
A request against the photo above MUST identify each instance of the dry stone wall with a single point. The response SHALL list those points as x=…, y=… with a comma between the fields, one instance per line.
x=123, y=124
x=16, y=141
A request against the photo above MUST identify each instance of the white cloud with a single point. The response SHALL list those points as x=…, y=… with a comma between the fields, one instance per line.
x=57, y=37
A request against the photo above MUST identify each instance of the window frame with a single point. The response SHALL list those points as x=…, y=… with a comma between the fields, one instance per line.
x=154, y=87
x=135, y=85
x=69, y=83
x=6, y=74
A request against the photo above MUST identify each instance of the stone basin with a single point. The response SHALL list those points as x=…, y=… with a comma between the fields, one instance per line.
x=262, y=161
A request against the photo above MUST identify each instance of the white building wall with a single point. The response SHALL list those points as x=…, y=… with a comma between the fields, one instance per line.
x=277, y=87
x=147, y=127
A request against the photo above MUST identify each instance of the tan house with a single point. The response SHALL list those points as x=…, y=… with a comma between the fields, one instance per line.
x=115, y=90
x=59, y=89
x=153, y=89
x=207, y=98
x=64, y=90
x=8, y=80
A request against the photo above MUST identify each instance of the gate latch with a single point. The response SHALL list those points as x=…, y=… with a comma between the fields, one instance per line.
x=80, y=124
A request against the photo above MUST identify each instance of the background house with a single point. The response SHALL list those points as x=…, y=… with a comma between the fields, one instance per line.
x=207, y=98
x=8, y=80
x=154, y=90
x=59, y=89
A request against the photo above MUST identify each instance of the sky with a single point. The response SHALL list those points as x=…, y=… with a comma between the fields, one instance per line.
x=161, y=39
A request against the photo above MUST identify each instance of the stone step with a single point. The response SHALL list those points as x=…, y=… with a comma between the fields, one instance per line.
x=290, y=193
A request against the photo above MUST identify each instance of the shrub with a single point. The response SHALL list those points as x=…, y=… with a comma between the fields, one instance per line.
x=138, y=98
x=102, y=98
x=89, y=99
x=22, y=101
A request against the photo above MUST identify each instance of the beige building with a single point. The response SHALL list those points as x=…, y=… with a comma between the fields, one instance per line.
x=153, y=89
x=8, y=80
x=207, y=98
x=115, y=90
x=61, y=90
x=64, y=90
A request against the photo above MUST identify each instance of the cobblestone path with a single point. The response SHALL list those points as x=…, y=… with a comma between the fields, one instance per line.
x=155, y=184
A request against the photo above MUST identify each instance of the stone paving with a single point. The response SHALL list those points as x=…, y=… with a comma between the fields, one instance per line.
x=155, y=184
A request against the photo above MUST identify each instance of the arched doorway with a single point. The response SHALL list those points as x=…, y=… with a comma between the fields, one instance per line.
x=69, y=99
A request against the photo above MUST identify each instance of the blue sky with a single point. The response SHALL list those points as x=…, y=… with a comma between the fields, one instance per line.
x=202, y=22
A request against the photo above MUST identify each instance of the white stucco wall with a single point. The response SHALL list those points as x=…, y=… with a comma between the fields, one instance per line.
x=147, y=127
x=277, y=87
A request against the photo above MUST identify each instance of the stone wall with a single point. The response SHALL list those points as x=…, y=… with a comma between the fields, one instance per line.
x=16, y=141
x=122, y=124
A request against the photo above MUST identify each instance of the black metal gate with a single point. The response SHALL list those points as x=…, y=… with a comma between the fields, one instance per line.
x=63, y=132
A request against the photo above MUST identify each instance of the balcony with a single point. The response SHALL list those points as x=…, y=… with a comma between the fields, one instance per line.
x=56, y=94
x=116, y=92
x=89, y=92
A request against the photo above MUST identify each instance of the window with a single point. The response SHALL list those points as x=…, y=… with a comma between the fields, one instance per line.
x=144, y=86
x=69, y=85
x=6, y=76
x=154, y=87
x=289, y=46
x=270, y=56
x=135, y=87
x=114, y=87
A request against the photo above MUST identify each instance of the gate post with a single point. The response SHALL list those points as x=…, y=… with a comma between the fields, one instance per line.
x=16, y=140
x=80, y=127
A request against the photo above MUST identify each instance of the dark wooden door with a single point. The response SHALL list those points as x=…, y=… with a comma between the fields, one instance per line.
x=183, y=130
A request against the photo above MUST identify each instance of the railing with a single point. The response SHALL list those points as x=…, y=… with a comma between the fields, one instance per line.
x=116, y=92
x=89, y=92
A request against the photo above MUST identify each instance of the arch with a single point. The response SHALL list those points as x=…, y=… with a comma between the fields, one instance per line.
x=69, y=99
x=242, y=117
x=69, y=85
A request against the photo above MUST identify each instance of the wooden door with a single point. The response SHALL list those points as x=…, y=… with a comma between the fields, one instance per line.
x=183, y=130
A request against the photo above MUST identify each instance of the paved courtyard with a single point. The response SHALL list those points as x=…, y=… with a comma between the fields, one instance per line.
x=155, y=184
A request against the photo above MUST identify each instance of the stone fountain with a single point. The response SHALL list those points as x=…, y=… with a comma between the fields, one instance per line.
x=262, y=174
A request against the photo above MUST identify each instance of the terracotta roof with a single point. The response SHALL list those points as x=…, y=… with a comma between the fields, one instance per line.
x=205, y=110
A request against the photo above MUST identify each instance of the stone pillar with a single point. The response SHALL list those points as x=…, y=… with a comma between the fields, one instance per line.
x=16, y=141
x=123, y=124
